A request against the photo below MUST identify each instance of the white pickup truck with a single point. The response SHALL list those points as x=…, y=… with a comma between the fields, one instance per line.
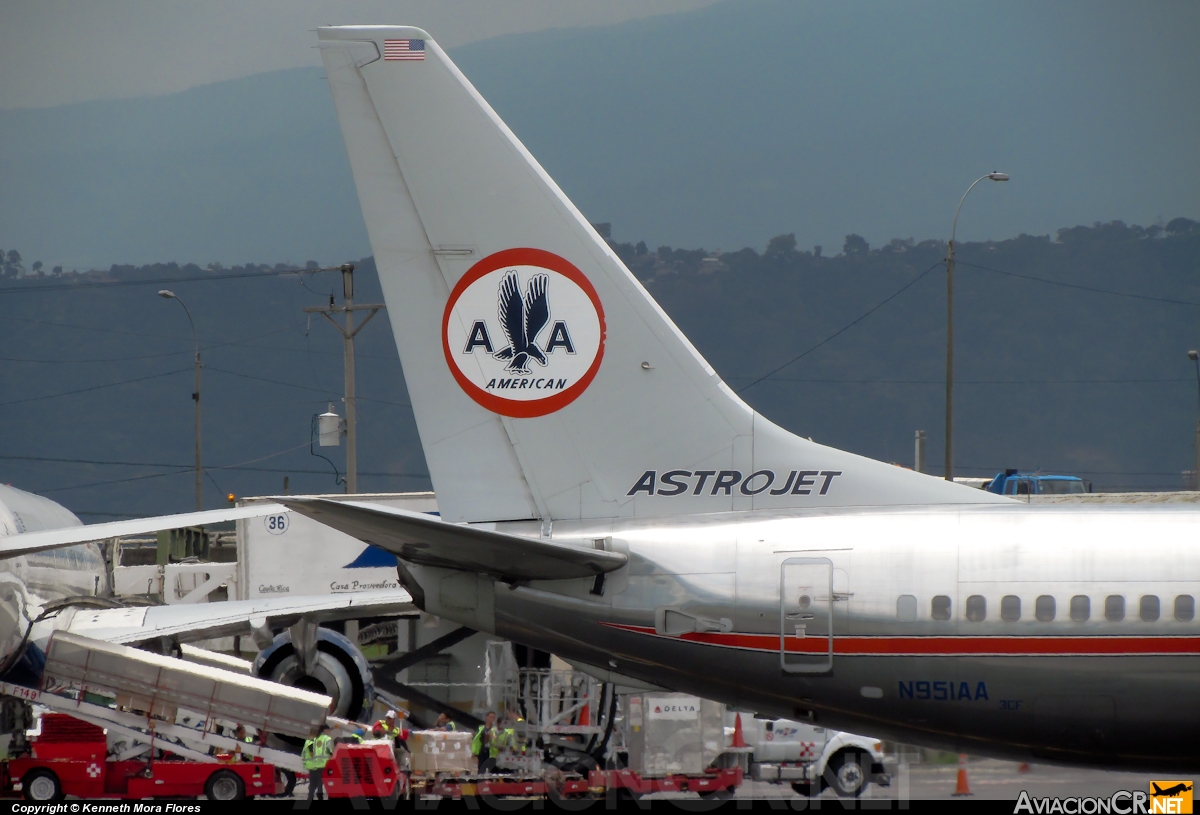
x=812, y=758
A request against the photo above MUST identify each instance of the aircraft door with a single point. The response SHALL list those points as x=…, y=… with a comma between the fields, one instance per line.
x=806, y=615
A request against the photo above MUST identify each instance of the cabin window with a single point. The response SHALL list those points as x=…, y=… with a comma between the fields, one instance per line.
x=976, y=608
x=1081, y=608
x=1010, y=608
x=1185, y=608
x=1114, y=608
x=939, y=609
x=906, y=608
x=1148, y=608
x=1043, y=608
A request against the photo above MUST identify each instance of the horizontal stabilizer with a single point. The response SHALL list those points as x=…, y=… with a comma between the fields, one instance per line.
x=430, y=541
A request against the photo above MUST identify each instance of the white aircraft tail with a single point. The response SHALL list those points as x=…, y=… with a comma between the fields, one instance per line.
x=546, y=382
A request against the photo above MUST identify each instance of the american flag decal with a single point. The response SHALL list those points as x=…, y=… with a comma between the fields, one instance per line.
x=404, y=49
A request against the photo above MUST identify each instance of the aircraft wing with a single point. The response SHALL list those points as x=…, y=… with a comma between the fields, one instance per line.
x=430, y=541
x=197, y=621
x=30, y=542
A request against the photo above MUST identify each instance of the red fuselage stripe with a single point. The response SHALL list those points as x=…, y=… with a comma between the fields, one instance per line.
x=942, y=645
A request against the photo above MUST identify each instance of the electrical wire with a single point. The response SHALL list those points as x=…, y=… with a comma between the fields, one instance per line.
x=100, y=463
x=1077, y=286
x=94, y=387
x=111, y=330
x=301, y=387
x=117, y=481
x=113, y=359
x=844, y=329
x=67, y=286
x=982, y=381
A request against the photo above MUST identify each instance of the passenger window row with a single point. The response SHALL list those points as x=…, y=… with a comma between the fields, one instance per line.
x=1045, y=608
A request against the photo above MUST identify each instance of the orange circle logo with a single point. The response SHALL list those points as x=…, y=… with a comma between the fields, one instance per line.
x=523, y=333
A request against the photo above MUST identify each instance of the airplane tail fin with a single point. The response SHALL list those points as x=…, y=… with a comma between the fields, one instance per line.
x=546, y=382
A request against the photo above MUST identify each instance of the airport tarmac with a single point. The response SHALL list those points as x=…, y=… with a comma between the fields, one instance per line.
x=988, y=779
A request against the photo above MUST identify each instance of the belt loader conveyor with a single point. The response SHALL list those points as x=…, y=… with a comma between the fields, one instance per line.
x=144, y=733
x=149, y=690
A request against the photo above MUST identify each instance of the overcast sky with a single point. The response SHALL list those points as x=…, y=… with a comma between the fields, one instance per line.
x=201, y=128
x=58, y=51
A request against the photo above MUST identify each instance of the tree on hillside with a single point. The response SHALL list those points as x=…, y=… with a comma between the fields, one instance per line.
x=855, y=245
x=12, y=263
x=781, y=246
x=1183, y=226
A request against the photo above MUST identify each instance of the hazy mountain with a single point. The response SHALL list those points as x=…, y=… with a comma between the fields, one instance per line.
x=1071, y=357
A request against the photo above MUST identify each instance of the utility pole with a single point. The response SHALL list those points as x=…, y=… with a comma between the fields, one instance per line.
x=1194, y=356
x=348, y=332
x=919, y=452
x=170, y=295
x=948, y=468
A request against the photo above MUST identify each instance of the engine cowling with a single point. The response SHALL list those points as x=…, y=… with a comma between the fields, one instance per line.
x=341, y=672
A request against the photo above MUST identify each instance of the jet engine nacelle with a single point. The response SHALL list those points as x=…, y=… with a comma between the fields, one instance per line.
x=336, y=668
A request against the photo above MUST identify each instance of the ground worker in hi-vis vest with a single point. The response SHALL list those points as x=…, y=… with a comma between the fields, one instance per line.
x=481, y=745
x=316, y=753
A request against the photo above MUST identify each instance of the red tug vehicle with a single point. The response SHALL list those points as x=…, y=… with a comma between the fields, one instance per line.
x=69, y=757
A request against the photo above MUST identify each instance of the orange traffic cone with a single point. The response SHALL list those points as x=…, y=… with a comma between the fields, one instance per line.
x=962, y=787
x=739, y=740
x=585, y=714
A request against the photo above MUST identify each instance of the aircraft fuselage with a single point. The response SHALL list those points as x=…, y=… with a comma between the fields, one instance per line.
x=961, y=628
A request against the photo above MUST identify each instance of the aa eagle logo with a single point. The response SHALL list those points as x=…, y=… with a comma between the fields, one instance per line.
x=523, y=332
x=523, y=320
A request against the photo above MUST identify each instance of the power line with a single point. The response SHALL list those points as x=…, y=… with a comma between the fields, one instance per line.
x=94, y=387
x=1094, y=289
x=101, y=463
x=1048, y=470
x=111, y=330
x=112, y=359
x=846, y=328
x=187, y=469
x=978, y=381
x=70, y=286
x=301, y=387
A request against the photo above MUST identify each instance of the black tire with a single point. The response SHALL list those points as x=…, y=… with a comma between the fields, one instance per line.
x=41, y=785
x=225, y=785
x=723, y=794
x=807, y=789
x=845, y=773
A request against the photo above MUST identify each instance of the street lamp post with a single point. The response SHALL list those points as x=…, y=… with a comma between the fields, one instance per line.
x=949, y=468
x=1194, y=356
x=170, y=295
